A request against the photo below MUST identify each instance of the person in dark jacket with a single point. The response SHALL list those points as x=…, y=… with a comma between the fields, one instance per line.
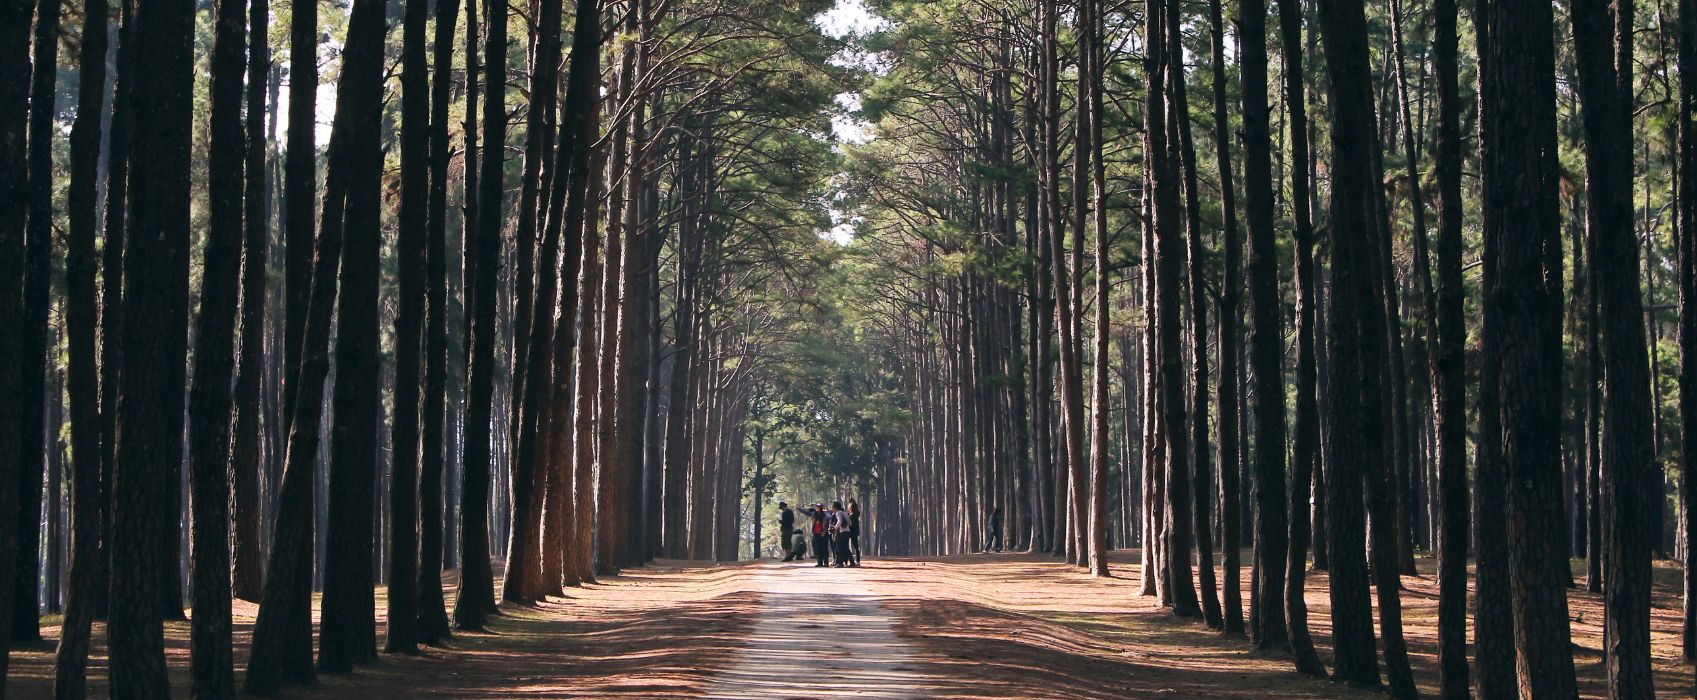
x=995, y=538
x=853, y=548
x=786, y=522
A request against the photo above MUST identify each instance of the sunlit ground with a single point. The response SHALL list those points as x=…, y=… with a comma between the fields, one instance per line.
x=1006, y=625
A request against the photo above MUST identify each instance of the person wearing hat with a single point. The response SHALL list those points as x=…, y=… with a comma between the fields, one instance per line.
x=786, y=523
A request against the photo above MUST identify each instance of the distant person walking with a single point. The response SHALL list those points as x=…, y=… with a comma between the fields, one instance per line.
x=995, y=538
x=853, y=548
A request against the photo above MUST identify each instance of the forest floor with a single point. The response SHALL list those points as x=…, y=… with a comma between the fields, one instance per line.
x=1005, y=625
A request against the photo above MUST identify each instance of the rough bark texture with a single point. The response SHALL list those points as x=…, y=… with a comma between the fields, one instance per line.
x=348, y=631
x=1305, y=440
x=1449, y=371
x=476, y=600
x=88, y=503
x=1231, y=297
x=432, y=608
x=251, y=361
x=159, y=243
x=410, y=247
x=1267, y=621
x=210, y=405
x=1519, y=169
x=1356, y=440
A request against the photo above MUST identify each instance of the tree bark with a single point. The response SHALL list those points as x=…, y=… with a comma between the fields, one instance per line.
x=88, y=507
x=210, y=404
x=38, y=269
x=476, y=599
x=159, y=216
x=1517, y=81
x=1449, y=369
x=1603, y=50
x=432, y=609
x=1267, y=624
x=410, y=252
x=247, y=453
x=1305, y=440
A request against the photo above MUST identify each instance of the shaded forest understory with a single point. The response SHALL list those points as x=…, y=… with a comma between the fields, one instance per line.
x=985, y=627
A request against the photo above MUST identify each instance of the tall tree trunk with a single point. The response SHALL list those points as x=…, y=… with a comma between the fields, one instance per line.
x=1305, y=440
x=38, y=270
x=300, y=183
x=112, y=284
x=1230, y=337
x=1449, y=369
x=160, y=217
x=1407, y=504
x=1517, y=78
x=1629, y=477
x=247, y=452
x=1167, y=259
x=282, y=636
x=1688, y=320
x=1267, y=624
x=432, y=610
x=88, y=505
x=347, y=634
x=1090, y=57
x=14, y=110
x=410, y=253
x=1356, y=438
x=210, y=405
x=1198, y=302
x=476, y=599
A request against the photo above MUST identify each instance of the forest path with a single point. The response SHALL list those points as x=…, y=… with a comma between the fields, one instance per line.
x=820, y=632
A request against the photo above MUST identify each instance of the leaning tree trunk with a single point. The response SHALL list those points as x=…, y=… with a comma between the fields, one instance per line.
x=1305, y=441
x=210, y=403
x=282, y=634
x=88, y=507
x=347, y=633
x=246, y=453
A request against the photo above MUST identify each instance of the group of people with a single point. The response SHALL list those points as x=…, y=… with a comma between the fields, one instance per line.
x=834, y=533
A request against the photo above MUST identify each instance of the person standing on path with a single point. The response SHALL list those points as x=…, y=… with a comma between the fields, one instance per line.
x=821, y=536
x=853, y=548
x=786, y=523
x=839, y=533
x=995, y=538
